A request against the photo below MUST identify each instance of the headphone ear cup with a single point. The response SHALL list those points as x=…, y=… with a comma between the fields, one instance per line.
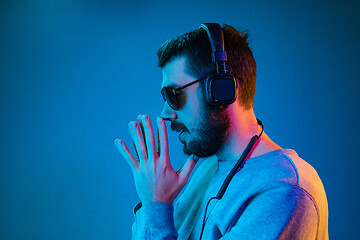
x=221, y=89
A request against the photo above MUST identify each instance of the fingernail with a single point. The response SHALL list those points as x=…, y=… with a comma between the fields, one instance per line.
x=131, y=124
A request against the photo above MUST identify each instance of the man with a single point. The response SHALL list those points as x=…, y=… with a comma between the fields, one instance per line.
x=272, y=194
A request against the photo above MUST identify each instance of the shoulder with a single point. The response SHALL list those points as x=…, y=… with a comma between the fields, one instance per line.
x=275, y=191
x=282, y=176
x=281, y=167
x=283, y=170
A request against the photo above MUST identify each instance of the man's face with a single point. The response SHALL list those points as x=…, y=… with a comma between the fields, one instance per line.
x=202, y=130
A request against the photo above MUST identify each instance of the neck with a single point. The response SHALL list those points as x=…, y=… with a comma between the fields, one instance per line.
x=242, y=128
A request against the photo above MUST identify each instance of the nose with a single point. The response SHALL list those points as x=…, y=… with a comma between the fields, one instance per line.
x=167, y=112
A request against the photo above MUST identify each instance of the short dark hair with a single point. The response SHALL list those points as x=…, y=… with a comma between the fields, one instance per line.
x=195, y=46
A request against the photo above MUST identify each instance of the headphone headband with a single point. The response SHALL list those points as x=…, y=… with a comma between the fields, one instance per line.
x=216, y=37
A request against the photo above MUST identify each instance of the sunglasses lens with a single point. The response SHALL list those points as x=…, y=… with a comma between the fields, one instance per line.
x=170, y=98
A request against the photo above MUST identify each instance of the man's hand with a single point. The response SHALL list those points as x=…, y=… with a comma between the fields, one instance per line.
x=155, y=178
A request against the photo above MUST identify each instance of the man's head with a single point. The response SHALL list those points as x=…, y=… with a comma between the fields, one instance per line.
x=187, y=58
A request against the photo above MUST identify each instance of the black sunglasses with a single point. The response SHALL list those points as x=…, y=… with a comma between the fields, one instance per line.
x=171, y=96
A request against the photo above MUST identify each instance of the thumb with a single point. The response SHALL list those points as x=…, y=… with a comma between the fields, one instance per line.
x=186, y=169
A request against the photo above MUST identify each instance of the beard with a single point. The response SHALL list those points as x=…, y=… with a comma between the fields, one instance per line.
x=208, y=136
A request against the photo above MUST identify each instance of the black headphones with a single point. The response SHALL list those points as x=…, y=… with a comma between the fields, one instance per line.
x=220, y=87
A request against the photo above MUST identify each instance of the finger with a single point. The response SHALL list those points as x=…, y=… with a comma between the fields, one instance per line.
x=138, y=140
x=186, y=170
x=158, y=141
x=126, y=154
x=141, y=128
x=164, y=146
x=149, y=136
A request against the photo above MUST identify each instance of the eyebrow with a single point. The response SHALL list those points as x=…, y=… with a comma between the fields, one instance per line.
x=171, y=85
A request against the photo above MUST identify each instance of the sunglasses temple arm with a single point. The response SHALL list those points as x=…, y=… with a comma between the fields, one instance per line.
x=187, y=85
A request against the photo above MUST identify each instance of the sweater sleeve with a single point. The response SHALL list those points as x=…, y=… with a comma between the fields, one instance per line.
x=154, y=221
x=280, y=213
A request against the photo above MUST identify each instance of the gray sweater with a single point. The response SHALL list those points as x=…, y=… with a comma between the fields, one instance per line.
x=275, y=196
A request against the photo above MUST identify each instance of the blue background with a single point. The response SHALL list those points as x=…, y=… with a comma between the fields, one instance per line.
x=74, y=73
